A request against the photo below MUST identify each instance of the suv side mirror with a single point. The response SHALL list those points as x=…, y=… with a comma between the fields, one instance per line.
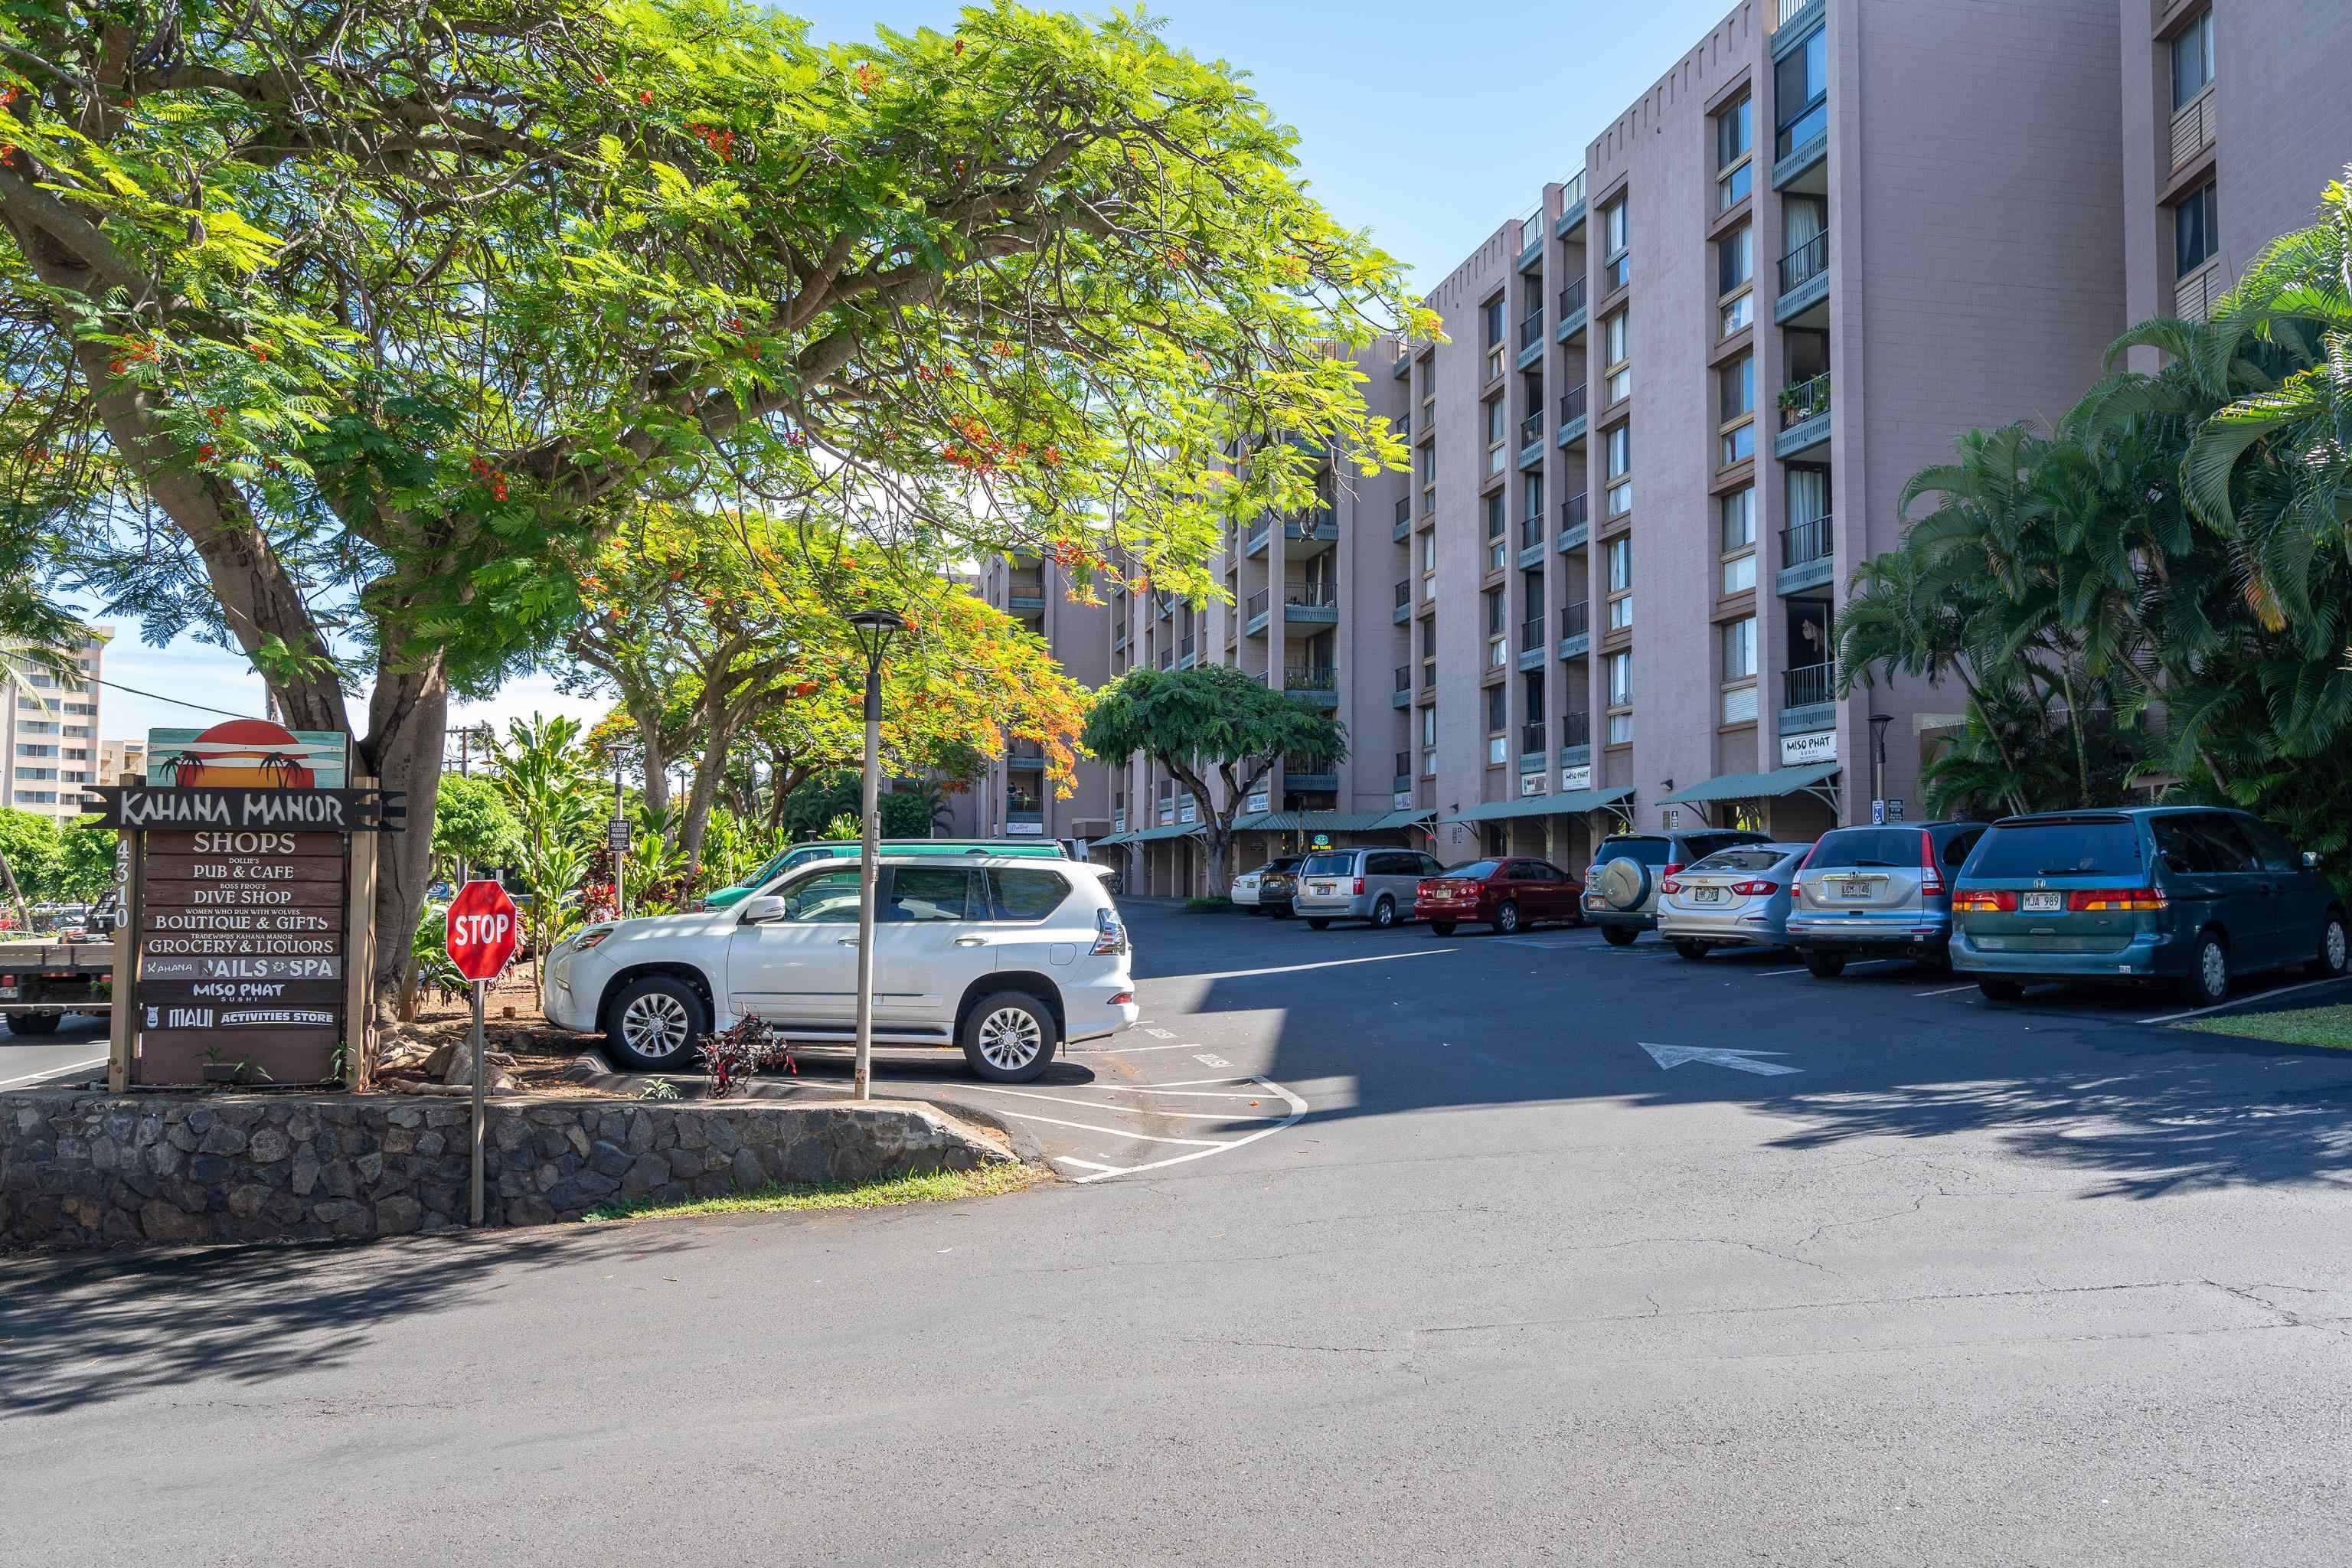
x=2311, y=859
x=762, y=907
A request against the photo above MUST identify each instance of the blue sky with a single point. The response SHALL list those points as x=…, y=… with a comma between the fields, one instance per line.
x=1429, y=140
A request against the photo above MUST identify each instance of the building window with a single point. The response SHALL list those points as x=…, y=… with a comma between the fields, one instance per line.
x=1532, y=491
x=1738, y=638
x=1616, y=266
x=2192, y=60
x=1616, y=344
x=1491, y=313
x=1621, y=451
x=1801, y=94
x=1620, y=556
x=2195, y=230
x=1735, y=279
x=1497, y=715
x=1621, y=698
x=1738, y=512
x=1735, y=164
x=1735, y=394
x=1495, y=417
x=1497, y=547
x=1497, y=647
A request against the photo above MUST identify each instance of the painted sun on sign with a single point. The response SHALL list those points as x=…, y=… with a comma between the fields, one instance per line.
x=247, y=754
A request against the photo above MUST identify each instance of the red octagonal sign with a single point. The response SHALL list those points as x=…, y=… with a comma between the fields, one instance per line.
x=483, y=929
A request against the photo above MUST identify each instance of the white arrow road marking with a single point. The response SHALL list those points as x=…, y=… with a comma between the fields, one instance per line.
x=1160, y=1034
x=1208, y=1059
x=1716, y=1055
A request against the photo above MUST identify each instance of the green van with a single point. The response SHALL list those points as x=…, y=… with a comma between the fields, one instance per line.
x=837, y=849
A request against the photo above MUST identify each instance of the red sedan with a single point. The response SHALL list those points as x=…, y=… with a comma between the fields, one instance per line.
x=1505, y=894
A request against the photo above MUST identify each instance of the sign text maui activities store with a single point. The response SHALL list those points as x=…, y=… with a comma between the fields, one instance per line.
x=237, y=961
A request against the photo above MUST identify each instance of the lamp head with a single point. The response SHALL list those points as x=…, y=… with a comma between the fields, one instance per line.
x=875, y=628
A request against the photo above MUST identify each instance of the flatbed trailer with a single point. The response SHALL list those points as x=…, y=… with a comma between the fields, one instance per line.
x=44, y=979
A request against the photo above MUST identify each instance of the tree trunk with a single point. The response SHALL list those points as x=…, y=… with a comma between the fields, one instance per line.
x=408, y=718
x=656, y=761
x=704, y=792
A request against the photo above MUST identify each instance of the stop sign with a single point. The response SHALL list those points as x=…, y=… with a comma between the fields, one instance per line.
x=483, y=929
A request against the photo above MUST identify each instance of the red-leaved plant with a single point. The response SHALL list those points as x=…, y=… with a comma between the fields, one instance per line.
x=734, y=1054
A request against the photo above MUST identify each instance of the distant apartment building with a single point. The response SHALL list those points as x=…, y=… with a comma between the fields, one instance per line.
x=116, y=758
x=1014, y=797
x=1680, y=400
x=48, y=729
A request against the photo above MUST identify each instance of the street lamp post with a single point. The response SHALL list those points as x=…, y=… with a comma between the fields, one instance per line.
x=1878, y=722
x=875, y=628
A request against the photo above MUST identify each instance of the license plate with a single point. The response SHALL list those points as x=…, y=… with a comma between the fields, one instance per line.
x=1707, y=895
x=1853, y=890
x=2043, y=903
x=1318, y=886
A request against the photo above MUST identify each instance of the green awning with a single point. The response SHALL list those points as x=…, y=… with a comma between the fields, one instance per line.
x=1410, y=816
x=1310, y=821
x=1753, y=786
x=1111, y=838
x=1172, y=830
x=1573, y=802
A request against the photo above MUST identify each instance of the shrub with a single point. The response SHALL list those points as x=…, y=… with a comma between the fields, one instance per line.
x=734, y=1055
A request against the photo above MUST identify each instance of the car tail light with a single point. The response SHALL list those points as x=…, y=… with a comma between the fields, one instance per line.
x=1359, y=884
x=1110, y=936
x=1670, y=868
x=1122, y=998
x=2117, y=898
x=1985, y=901
x=1930, y=879
x=1755, y=890
x=1670, y=885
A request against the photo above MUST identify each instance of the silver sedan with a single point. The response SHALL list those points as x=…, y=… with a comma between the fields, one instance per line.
x=1734, y=898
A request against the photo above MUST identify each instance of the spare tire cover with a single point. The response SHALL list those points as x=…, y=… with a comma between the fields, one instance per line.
x=1625, y=883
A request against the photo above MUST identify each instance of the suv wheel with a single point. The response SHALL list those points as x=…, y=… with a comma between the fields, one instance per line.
x=2207, y=981
x=1693, y=951
x=1826, y=966
x=1385, y=913
x=1442, y=928
x=1506, y=918
x=1319, y=922
x=1009, y=1037
x=35, y=1023
x=1619, y=936
x=2332, y=956
x=655, y=1024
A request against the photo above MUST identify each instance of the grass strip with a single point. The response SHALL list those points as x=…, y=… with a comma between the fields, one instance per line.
x=922, y=1187
x=2327, y=1026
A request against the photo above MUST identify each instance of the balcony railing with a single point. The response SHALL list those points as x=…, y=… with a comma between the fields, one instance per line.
x=1531, y=428
x=1571, y=405
x=1788, y=8
x=1530, y=532
x=1258, y=531
x=2192, y=129
x=1576, y=511
x=1404, y=508
x=1404, y=677
x=1804, y=541
x=1805, y=263
x=1256, y=604
x=1018, y=805
x=1531, y=634
x=1809, y=683
x=1167, y=660
x=1025, y=585
x=1576, y=729
x=1309, y=765
x=1531, y=229
x=1403, y=763
x=1804, y=400
x=1531, y=328
x=1310, y=678
x=1531, y=737
x=1571, y=298
x=1575, y=620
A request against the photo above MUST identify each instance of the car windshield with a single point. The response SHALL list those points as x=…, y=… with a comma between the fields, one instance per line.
x=1329, y=864
x=1746, y=859
x=1866, y=847
x=1648, y=851
x=1287, y=863
x=1477, y=871
x=2059, y=846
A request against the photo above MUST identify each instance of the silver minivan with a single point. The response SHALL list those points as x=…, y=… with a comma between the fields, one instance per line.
x=1375, y=885
x=1879, y=891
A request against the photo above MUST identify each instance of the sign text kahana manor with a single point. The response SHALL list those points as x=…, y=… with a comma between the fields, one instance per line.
x=323, y=809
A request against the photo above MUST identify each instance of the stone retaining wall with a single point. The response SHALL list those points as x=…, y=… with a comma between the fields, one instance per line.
x=97, y=1170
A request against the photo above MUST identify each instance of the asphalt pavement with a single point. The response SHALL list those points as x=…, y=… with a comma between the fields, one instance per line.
x=75, y=1053
x=1574, y=1253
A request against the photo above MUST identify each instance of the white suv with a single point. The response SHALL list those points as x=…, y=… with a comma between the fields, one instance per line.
x=1007, y=958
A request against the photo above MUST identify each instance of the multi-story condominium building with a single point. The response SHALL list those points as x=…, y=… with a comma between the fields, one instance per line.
x=1013, y=798
x=116, y=758
x=48, y=729
x=2234, y=119
x=1696, y=379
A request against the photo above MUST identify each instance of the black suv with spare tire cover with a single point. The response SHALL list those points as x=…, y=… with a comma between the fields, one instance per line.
x=1621, y=888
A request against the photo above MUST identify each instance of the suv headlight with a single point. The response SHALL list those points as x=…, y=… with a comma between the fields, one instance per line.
x=582, y=941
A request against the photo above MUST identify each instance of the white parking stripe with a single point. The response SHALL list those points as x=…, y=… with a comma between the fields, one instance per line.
x=1120, y=1131
x=1087, y=1164
x=2243, y=1001
x=69, y=1067
x=1139, y=1050
x=1769, y=974
x=1298, y=1109
x=1105, y=1105
x=1946, y=990
x=1328, y=964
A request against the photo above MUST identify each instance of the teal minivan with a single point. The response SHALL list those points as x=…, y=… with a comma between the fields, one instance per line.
x=837, y=848
x=2189, y=895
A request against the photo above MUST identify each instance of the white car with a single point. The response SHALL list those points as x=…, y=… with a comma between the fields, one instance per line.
x=1009, y=959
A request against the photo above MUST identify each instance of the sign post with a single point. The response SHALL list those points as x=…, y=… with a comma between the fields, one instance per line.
x=481, y=938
